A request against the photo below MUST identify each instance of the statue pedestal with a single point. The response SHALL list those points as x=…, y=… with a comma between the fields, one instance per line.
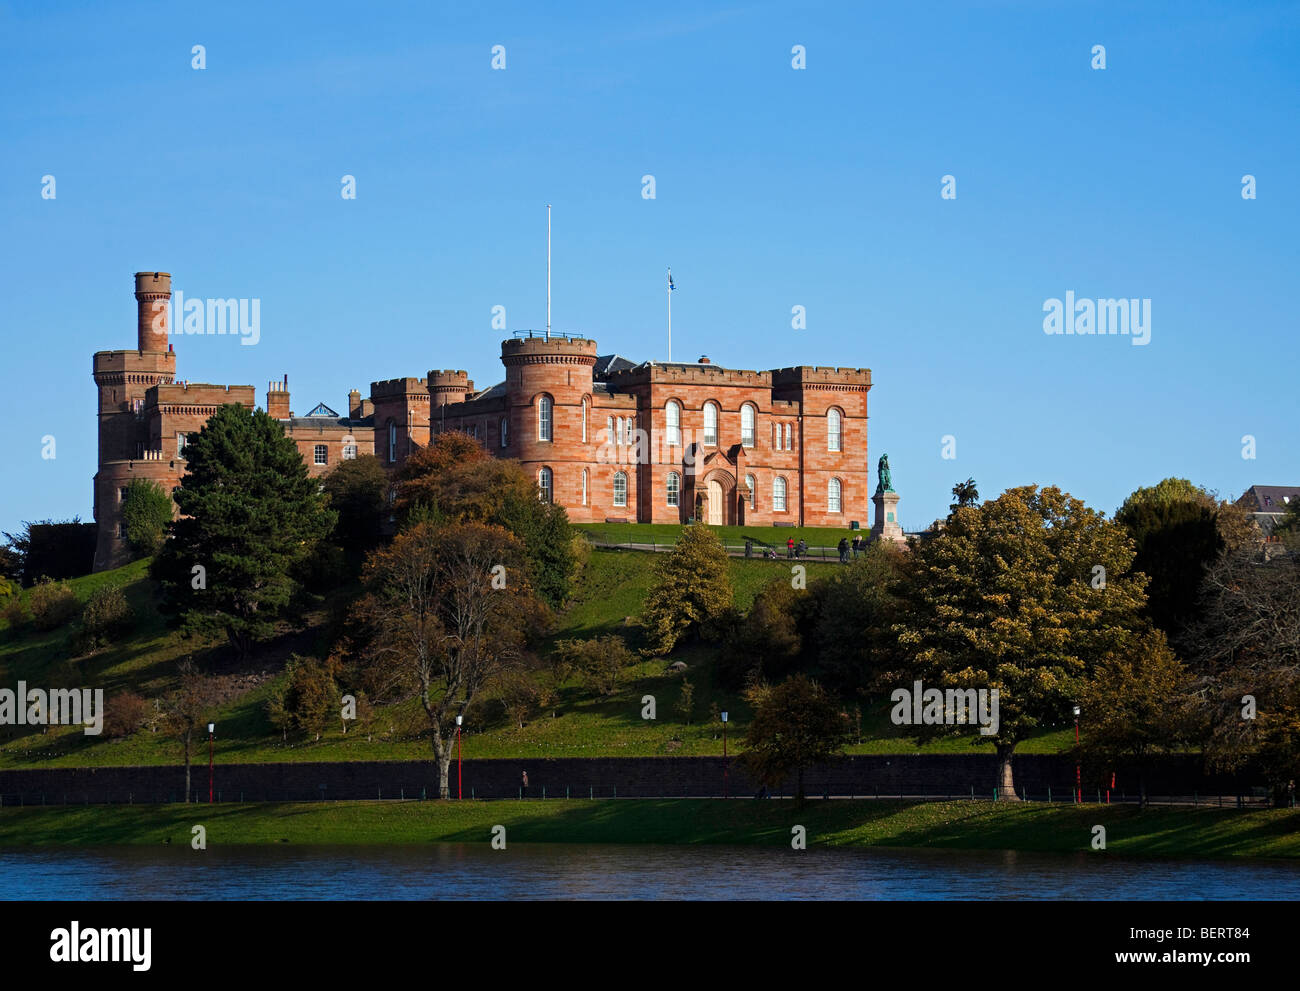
x=886, y=525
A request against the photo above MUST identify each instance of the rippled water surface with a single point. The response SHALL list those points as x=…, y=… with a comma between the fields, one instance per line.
x=556, y=871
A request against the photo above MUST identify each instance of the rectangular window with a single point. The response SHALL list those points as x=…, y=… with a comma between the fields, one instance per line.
x=789, y=437
x=349, y=452
x=121, y=495
x=180, y=445
x=322, y=454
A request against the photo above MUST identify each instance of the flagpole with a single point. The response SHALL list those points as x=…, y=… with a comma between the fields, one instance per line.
x=670, y=314
x=548, y=271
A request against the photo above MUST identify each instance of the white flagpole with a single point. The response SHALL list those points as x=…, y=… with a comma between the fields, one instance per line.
x=670, y=314
x=548, y=271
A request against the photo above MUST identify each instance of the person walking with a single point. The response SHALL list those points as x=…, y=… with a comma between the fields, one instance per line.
x=524, y=790
x=844, y=550
x=789, y=548
x=857, y=545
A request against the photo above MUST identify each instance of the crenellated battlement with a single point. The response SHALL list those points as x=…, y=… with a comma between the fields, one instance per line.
x=199, y=394
x=406, y=388
x=812, y=376
x=558, y=350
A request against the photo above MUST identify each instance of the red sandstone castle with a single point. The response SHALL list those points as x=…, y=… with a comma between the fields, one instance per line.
x=655, y=442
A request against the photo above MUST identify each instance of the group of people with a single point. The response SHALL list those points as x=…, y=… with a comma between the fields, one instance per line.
x=795, y=550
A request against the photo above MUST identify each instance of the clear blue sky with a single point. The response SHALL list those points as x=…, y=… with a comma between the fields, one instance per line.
x=775, y=188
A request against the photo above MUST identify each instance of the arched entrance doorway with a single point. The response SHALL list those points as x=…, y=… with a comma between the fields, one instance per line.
x=715, y=503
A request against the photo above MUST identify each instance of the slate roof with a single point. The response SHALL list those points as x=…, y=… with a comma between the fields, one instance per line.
x=1268, y=503
x=608, y=363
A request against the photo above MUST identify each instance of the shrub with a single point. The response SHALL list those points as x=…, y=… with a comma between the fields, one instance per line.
x=52, y=604
x=124, y=713
x=14, y=612
x=105, y=618
x=146, y=511
x=598, y=660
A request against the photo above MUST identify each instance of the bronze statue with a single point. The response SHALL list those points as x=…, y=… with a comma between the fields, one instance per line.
x=886, y=482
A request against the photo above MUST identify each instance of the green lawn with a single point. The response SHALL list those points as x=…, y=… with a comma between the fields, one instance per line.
x=1158, y=832
x=732, y=536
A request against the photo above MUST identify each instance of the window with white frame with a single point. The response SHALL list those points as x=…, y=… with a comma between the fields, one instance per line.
x=833, y=492
x=673, y=418
x=584, y=421
x=747, y=425
x=609, y=430
x=778, y=494
x=321, y=454
x=349, y=452
x=544, y=488
x=584, y=486
x=776, y=436
x=545, y=413
x=751, y=486
x=620, y=489
x=710, y=424
x=789, y=436
x=392, y=441
x=180, y=445
x=674, y=489
x=833, y=430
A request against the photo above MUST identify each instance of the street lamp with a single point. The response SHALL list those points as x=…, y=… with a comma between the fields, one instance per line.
x=1078, y=769
x=212, y=728
x=459, y=790
x=724, y=755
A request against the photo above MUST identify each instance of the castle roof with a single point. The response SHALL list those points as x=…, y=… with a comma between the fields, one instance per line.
x=608, y=363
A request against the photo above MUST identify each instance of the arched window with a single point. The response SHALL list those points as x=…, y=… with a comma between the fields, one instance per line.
x=674, y=489
x=609, y=430
x=544, y=486
x=776, y=436
x=833, y=430
x=584, y=486
x=710, y=424
x=751, y=487
x=622, y=431
x=392, y=441
x=747, y=425
x=673, y=416
x=833, y=496
x=584, y=421
x=545, y=413
x=778, y=494
x=789, y=436
x=505, y=432
x=620, y=489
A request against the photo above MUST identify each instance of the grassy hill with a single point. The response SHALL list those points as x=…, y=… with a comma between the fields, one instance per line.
x=609, y=592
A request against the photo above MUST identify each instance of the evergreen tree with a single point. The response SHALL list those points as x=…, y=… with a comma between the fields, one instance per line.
x=146, y=512
x=249, y=511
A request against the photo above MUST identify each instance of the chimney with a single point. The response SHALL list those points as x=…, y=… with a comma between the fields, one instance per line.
x=153, y=290
x=704, y=359
x=354, y=404
x=277, y=399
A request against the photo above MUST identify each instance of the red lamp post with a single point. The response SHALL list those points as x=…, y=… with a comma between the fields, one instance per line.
x=459, y=789
x=724, y=755
x=212, y=728
x=1078, y=767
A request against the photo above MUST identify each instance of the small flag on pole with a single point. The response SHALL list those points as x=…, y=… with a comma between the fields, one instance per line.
x=671, y=286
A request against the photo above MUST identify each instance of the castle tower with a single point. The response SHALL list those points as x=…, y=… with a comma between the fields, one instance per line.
x=549, y=390
x=401, y=418
x=153, y=291
x=122, y=378
x=446, y=386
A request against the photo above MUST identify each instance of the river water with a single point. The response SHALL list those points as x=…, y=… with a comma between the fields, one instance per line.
x=561, y=871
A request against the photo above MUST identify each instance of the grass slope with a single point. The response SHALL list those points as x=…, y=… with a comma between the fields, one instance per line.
x=610, y=590
x=1157, y=832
